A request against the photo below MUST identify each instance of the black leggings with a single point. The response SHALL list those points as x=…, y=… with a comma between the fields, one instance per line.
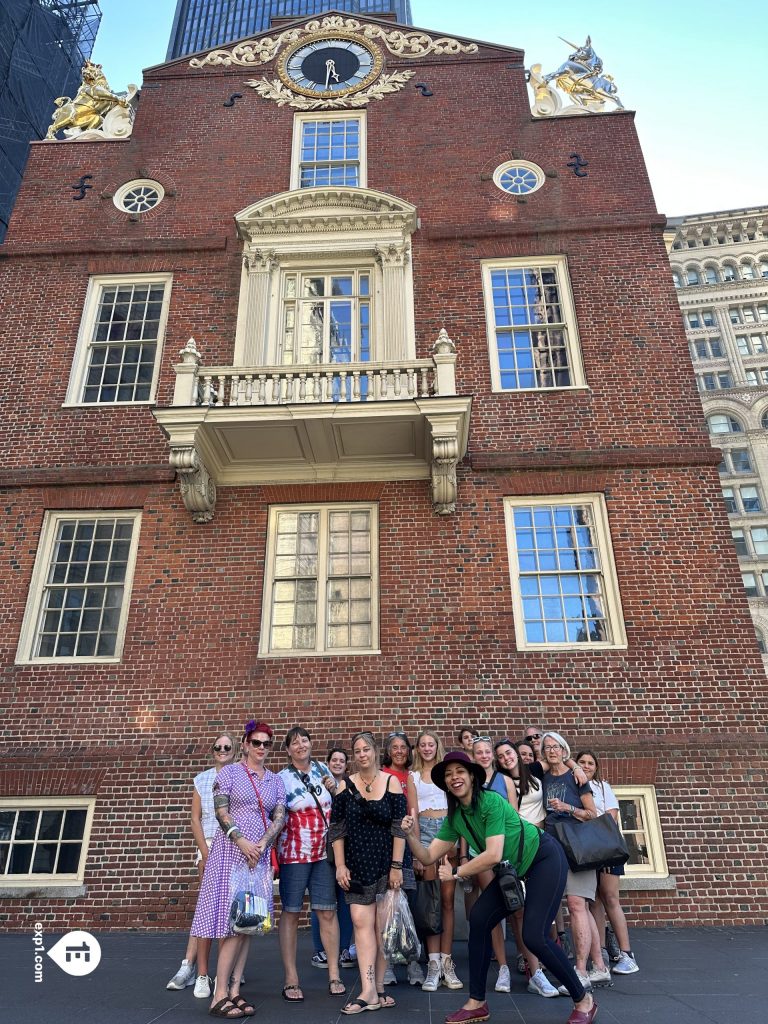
x=544, y=887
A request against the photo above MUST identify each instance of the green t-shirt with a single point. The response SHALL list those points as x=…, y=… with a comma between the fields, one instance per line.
x=493, y=816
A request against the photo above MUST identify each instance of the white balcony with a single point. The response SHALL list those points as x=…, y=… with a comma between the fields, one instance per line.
x=246, y=426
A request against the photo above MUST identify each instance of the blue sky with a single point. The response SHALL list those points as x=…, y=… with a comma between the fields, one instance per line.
x=694, y=70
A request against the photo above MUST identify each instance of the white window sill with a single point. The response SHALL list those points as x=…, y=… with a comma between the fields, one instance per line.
x=43, y=890
x=647, y=883
x=318, y=654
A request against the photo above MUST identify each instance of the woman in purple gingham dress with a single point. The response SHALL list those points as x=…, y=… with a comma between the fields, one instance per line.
x=242, y=842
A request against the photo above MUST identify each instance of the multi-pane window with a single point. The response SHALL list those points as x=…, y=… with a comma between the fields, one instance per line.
x=563, y=579
x=641, y=827
x=330, y=151
x=532, y=330
x=120, y=337
x=698, y=318
x=722, y=424
x=740, y=543
x=749, y=579
x=44, y=839
x=80, y=590
x=742, y=500
x=757, y=377
x=751, y=543
x=707, y=348
x=741, y=462
x=759, y=537
x=751, y=344
x=321, y=581
x=326, y=318
x=715, y=381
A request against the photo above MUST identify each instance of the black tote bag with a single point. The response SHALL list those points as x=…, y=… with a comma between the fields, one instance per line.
x=426, y=907
x=597, y=843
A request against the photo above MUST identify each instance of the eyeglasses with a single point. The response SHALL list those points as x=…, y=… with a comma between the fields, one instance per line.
x=551, y=750
x=533, y=736
x=223, y=749
x=261, y=743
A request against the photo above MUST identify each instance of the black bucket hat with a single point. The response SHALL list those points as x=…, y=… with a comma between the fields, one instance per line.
x=457, y=757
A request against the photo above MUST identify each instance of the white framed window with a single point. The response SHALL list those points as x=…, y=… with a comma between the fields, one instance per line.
x=138, y=196
x=321, y=581
x=518, y=177
x=744, y=500
x=532, y=335
x=44, y=840
x=641, y=827
x=564, y=586
x=326, y=317
x=707, y=348
x=81, y=585
x=715, y=381
x=720, y=423
x=329, y=149
x=120, y=342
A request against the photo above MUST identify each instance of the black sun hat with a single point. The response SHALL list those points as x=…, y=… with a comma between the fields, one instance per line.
x=457, y=757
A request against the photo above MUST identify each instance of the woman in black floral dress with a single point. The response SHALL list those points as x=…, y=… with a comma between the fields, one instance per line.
x=368, y=846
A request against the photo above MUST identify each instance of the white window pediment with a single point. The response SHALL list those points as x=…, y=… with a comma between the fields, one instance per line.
x=334, y=229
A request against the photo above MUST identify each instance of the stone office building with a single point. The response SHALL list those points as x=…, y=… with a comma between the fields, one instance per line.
x=352, y=394
x=720, y=269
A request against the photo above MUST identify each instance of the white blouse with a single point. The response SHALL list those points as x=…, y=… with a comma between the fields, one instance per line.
x=429, y=796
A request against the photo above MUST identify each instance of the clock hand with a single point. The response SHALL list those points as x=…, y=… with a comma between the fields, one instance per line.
x=330, y=72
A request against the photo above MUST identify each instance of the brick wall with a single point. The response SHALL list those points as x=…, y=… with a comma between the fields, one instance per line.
x=685, y=703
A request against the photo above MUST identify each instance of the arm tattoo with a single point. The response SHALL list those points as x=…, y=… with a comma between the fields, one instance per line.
x=278, y=822
x=221, y=807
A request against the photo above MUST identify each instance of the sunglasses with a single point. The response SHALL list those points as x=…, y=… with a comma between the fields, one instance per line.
x=260, y=743
x=506, y=742
x=308, y=784
x=482, y=739
x=223, y=749
x=533, y=736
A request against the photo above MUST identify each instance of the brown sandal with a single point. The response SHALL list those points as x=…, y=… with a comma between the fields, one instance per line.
x=224, y=1008
x=244, y=1005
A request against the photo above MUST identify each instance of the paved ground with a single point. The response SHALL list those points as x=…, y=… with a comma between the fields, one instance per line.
x=694, y=976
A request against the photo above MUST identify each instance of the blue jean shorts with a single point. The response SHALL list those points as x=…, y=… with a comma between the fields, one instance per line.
x=428, y=829
x=318, y=877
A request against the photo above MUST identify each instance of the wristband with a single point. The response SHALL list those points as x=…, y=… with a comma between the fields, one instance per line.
x=396, y=865
x=230, y=830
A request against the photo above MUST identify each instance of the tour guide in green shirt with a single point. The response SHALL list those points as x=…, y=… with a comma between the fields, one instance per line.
x=492, y=826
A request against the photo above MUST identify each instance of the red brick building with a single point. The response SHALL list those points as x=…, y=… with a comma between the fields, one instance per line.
x=326, y=510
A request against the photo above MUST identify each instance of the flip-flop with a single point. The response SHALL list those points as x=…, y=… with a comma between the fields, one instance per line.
x=224, y=1008
x=293, y=999
x=361, y=1007
x=386, y=1002
x=244, y=1005
x=336, y=981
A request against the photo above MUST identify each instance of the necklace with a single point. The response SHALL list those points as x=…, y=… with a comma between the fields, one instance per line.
x=368, y=785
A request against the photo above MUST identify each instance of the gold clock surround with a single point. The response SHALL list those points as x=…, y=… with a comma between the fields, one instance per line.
x=322, y=94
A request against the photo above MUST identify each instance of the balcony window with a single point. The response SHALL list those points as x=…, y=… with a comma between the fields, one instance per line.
x=326, y=318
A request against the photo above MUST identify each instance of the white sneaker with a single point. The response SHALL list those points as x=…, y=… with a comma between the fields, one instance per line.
x=389, y=976
x=203, y=987
x=583, y=978
x=184, y=977
x=433, y=977
x=626, y=965
x=539, y=984
x=449, y=974
x=503, y=982
x=415, y=973
x=602, y=979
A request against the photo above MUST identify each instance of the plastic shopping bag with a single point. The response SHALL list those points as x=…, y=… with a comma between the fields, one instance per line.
x=251, y=908
x=399, y=939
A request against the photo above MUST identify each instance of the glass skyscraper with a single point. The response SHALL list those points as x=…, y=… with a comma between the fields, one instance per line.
x=43, y=46
x=202, y=24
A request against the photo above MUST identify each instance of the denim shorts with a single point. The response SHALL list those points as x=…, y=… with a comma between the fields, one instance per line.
x=317, y=877
x=428, y=829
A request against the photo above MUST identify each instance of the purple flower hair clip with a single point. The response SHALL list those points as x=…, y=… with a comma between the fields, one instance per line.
x=250, y=726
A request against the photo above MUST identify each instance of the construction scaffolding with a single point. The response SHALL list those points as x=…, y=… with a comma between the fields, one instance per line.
x=43, y=45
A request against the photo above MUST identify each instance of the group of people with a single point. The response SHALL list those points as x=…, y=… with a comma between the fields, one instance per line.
x=406, y=813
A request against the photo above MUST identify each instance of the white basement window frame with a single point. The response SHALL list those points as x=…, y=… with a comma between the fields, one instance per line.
x=641, y=827
x=50, y=832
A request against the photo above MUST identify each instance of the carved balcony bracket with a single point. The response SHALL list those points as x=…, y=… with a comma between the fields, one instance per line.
x=446, y=453
x=198, y=491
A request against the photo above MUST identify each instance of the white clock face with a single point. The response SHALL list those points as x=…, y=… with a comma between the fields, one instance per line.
x=330, y=66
